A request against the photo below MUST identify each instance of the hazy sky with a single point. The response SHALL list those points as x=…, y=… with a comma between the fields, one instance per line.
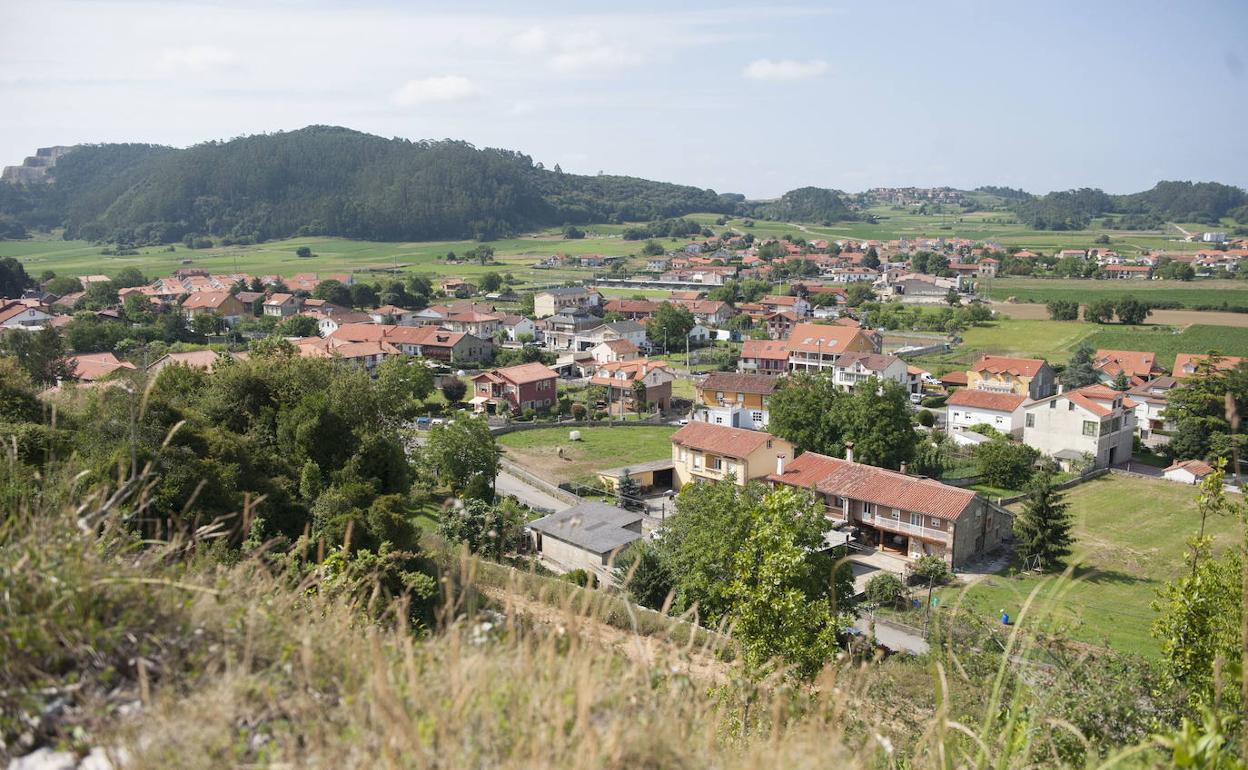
x=741, y=98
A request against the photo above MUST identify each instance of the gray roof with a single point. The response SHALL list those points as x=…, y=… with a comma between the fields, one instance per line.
x=654, y=465
x=620, y=327
x=1068, y=454
x=593, y=526
x=564, y=290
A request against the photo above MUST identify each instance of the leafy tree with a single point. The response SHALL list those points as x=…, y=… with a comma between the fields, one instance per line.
x=1063, y=310
x=885, y=590
x=670, y=324
x=363, y=295
x=1132, y=311
x=402, y=385
x=333, y=291
x=1043, y=527
x=303, y=252
x=298, y=326
x=128, y=277
x=641, y=573
x=803, y=411
x=858, y=293
x=526, y=305
x=462, y=451
x=1200, y=613
x=454, y=390
x=931, y=569
x=774, y=616
x=876, y=417
x=1121, y=382
x=1099, y=311
x=1080, y=371
x=13, y=278
x=207, y=324
x=62, y=285
x=926, y=418
x=138, y=309
x=871, y=259
x=489, y=530
x=1005, y=464
x=491, y=282
x=652, y=249
x=41, y=354
x=100, y=295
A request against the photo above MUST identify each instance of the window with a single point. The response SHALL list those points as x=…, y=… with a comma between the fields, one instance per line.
x=1053, y=404
x=1031, y=420
x=916, y=519
x=719, y=420
x=868, y=509
x=1070, y=406
x=716, y=463
x=1000, y=420
x=757, y=417
x=935, y=523
x=1090, y=427
x=719, y=395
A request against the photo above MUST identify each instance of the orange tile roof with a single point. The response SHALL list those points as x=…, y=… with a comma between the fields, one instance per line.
x=868, y=483
x=722, y=440
x=1198, y=468
x=776, y=350
x=94, y=366
x=522, y=374
x=816, y=338
x=1023, y=367
x=1185, y=360
x=986, y=399
x=739, y=383
x=206, y=299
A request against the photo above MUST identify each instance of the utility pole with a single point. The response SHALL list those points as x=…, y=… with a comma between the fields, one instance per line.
x=927, y=611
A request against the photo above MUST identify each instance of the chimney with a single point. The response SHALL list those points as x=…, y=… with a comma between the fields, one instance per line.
x=849, y=451
x=905, y=467
x=779, y=465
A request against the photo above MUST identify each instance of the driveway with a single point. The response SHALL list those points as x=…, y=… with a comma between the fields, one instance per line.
x=507, y=484
x=892, y=637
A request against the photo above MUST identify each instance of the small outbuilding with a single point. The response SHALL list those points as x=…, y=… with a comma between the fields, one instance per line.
x=587, y=536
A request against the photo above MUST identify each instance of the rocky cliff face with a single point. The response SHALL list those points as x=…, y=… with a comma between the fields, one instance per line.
x=34, y=168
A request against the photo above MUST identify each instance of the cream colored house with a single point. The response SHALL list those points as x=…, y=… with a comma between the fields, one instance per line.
x=1094, y=420
x=706, y=452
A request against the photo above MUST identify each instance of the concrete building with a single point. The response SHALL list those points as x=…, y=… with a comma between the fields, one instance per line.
x=705, y=452
x=587, y=536
x=554, y=301
x=1188, y=471
x=1002, y=411
x=1093, y=420
x=520, y=387
x=852, y=369
x=816, y=347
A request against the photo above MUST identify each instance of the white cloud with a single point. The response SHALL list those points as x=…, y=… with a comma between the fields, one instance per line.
x=531, y=41
x=785, y=69
x=438, y=88
x=522, y=108
x=578, y=60
x=196, y=58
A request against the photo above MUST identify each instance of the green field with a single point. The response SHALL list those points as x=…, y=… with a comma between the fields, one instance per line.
x=1130, y=537
x=598, y=449
x=1188, y=294
x=1054, y=341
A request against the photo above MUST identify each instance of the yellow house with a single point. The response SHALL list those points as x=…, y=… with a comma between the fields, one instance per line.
x=1031, y=377
x=706, y=452
x=735, y=400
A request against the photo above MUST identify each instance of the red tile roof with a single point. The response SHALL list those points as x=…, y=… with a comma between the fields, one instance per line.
x=816, y=338
x=730, y=382
x=94, y=366
x=522, y=374
x=1022, y=367
x=1185, y=360
x=867, y=483
x=986, y=399
x=722, y=440
x=1198, y=468
x=775, y=350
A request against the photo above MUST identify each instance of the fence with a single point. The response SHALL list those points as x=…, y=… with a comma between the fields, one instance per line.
x=1076, y=481
x=515, y=427
x=535, y=481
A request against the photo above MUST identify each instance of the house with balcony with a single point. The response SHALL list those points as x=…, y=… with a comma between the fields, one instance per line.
x=1151, y=399
x=776, y=303
x=482, y=325
x=620, y=378
x=1136, y=365
x=219, y=303
x=905, y=516
x=852, y=369
x=632, y=309
x=1095, y=420
x=735, y=400
x=281, y=305
x=559, y=331
x=706, y=452
x=968, y=407
x=551, y=302
x=1031, y=377
x=616, y=330
x=610, y=351
x=770, y=357
x=520, y=387
x=817, y=347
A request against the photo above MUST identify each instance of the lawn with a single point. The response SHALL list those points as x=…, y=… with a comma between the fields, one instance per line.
x=1050, y=340
x=1130, y=535
x=598, y=449
x=1166, y=341
x=1188, y=294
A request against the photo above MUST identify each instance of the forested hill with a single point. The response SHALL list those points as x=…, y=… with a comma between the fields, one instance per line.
x=329, y=181
x=1199, y=202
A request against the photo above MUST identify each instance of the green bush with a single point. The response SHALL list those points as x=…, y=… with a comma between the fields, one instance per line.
x=885, y=589
x=926, y=418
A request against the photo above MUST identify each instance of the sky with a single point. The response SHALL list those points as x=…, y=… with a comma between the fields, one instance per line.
x=751, y=98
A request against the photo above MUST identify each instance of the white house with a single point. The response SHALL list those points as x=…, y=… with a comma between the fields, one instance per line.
x=853, y=368
x=15, y=315
x=1093, y=420
x=1188, y=472
x=968, y=407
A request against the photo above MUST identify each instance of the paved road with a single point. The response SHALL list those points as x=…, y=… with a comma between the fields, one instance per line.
x=507, y=484
x=893, y=638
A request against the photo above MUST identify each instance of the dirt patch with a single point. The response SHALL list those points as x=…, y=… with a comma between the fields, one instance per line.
x=1032, y=311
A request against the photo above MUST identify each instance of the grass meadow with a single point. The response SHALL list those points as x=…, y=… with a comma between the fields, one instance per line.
x=599, y=448
x=1130, y=536
x=1187, y=294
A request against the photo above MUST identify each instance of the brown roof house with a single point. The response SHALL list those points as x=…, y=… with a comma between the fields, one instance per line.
x=703, y=451
x=904, y=515
x=1032, y=377
x=520, y=387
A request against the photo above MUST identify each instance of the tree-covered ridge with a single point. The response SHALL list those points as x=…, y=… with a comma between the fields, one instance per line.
x=806, y=204
x=324, y=180
x=1204, y=202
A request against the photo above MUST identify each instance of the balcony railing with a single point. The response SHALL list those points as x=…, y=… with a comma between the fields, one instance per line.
x=906, y=528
